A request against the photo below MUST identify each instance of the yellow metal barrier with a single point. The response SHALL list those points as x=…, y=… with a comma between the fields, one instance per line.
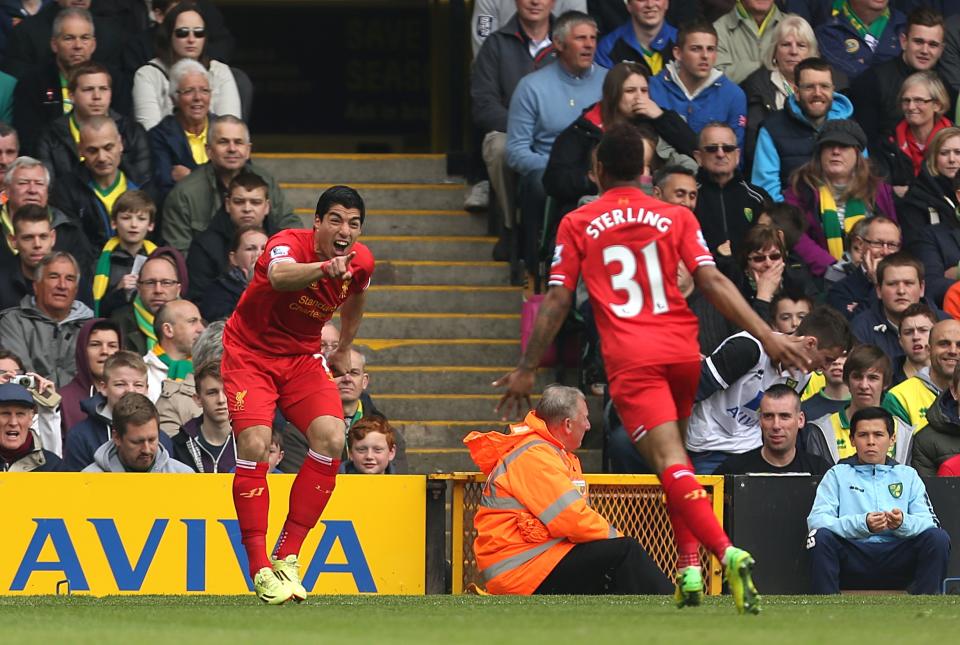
x=632, y=503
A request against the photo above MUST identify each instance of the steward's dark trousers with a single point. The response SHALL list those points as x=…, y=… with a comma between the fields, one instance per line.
x=917, y=564
x=617, y=566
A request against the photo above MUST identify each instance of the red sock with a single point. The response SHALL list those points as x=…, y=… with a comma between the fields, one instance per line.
x=251, y=497
x=687, y=500
x=309, y=496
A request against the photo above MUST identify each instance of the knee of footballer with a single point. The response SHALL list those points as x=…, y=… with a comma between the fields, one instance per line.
x=253, y=444
x=327, y=438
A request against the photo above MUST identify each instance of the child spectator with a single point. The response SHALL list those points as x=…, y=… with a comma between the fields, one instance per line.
x=789, y=310
x=205, y=443
x=115, y=279
x=221, y=297
x=275, y=455
x=371, y=446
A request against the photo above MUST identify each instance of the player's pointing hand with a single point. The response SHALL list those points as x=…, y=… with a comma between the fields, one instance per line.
x=339, y=267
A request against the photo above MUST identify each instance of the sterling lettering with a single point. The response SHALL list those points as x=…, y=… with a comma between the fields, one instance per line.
x=618, y=216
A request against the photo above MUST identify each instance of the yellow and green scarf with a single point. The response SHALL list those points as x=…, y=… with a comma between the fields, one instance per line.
x=176, y=370
x=144, y=321
x=855, y=211
x=874, y=31
x=742, y=12
x=101, y=278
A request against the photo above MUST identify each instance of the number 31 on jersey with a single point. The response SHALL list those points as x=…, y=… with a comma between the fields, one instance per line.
x=626, y=280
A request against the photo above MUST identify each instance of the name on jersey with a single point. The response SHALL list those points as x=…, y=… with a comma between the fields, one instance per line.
x=618, y=216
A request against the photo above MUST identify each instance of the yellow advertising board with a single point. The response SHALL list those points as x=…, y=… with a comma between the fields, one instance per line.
x=177, y=534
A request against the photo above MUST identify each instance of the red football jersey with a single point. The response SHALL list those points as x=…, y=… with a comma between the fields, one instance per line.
x=627, y=246
x=288, y=323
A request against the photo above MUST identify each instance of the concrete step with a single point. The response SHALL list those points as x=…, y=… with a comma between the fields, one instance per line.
x=468, y=379
x=444, y=298
x=440, y=351
x=397, y=272
x=450, y=413
x=452, y=460
x=355, y=168
x=414, y=222
x=446, y=248
x=440, y=325
x=436, y=196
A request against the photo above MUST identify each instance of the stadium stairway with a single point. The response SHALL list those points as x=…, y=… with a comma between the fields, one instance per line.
x=442, y=321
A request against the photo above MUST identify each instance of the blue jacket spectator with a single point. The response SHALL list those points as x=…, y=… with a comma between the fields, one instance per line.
x=848, y=43
x=168, y=143
x=873, y=326
x=621, y=44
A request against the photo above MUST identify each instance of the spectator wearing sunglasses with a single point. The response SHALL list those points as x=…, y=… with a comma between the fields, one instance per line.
x=727, y=204
x=182, y=34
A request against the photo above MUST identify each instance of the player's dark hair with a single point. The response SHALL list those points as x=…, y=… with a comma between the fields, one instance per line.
x=620, y=152
x=783, y=391
x=828, y=326
x=865, y=357
x=869, y=414
x=133, y=408
x=340, y=196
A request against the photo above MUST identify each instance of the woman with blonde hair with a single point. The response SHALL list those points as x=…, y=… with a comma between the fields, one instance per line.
x=931, y=198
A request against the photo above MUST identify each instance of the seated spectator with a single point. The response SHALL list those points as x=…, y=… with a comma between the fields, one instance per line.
x=353, y=385
x=788, y=311
x=206, y=443
x=832, y=397
x=530, y=469
x=676, y=185
x=769, y=88
x=177, y=325
x=915, y=326
x=520, y=47
x=182, y=34
x=626, y=97
x=47, y=423
x=899, y=285
x=939, y=440
x=727, y=204
x=195, y=200
x=742, y=34
x=851, y=532
x=543, y=104
x=161, y=280
x=43, y=328
x=912, y=399
x=26, y=182
x=780, y=422
x=646, y=39
x=247, y=204
x=21, y=449
x=179, y=141
x=491, y=16
x=176, y=405
x=32, y=240
x=115, y=282
x=735, y=376
x=787, y=138
x=875, y=93
x=123, y=372
x=90, y=88
x=835, y=189
x=97, y=340
x=763, y=272
x=691, y=86
x=221, y=297
x=276, y=454
x=30, y=43
x=41, y=95
x=861, y=34
x=371, y=448
x=866, y=373
x=899, y=155
x=88, y=195
x=135, y=445
x=9, y=145
x=858, y=290
x=938, y=247
x=931, y=197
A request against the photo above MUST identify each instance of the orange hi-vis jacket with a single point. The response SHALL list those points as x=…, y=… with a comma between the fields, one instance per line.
x=531, y=512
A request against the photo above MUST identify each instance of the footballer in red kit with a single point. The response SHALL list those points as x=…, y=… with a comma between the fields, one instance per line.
x=300, y=280
x=626, y=246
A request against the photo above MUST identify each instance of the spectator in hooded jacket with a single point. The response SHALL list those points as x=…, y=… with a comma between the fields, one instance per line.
x=98, y=340
x=205, y=443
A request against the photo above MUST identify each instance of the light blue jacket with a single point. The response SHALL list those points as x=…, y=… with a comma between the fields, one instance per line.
x=850, y=490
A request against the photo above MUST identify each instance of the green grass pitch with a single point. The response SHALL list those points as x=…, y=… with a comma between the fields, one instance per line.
x=576, y=620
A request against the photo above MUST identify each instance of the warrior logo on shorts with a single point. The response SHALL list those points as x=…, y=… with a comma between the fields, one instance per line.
x=238, y=400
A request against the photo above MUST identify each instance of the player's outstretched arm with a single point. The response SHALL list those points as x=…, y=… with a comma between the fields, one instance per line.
x=293, y=276
x=351, y=313
x=553, y=311
x=789, y=351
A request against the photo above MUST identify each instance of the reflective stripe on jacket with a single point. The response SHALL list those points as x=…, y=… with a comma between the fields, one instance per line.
x=531, y=511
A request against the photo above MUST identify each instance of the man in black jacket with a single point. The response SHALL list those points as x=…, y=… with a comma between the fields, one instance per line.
x=91, y=89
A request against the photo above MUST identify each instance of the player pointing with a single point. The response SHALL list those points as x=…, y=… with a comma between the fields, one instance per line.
x=302, y=277
x=627, y=245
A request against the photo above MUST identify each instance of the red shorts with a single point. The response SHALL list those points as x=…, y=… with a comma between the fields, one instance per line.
x=647, y=396
x=256, y=383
